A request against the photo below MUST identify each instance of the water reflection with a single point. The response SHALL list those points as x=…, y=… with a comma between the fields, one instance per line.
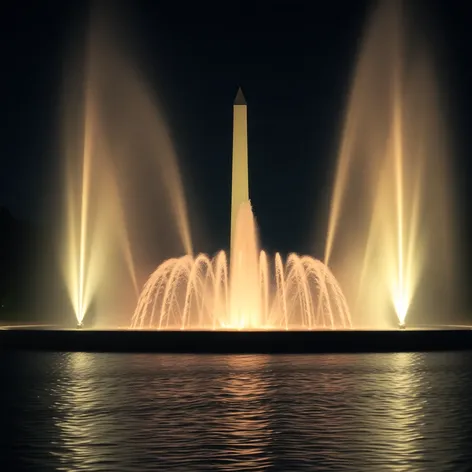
x=245, y=419
x=403, y=403
x=89, y=412
x=389, y=410
x=83, y=414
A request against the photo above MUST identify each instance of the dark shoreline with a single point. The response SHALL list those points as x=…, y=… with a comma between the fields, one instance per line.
x=236, y=342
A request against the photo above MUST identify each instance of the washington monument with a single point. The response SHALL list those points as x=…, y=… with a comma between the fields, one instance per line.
x=240, y=178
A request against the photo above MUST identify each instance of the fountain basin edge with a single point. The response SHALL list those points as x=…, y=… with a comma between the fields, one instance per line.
x=236, y=342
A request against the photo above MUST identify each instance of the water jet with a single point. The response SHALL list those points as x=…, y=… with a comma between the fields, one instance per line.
x=391, y=201
x=244, y=291
x=122, y=182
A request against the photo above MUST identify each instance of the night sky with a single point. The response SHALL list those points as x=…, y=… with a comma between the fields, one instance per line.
x=293, y=60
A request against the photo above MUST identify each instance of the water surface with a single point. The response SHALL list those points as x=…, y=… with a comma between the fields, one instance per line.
x=127, y=412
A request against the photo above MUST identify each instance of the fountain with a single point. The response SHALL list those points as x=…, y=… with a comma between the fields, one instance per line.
x=390, y=190
x=199, y=292
x=202, y=293
x=391, y=202
x=380, y=220
x=118, y=148
x=93, y=203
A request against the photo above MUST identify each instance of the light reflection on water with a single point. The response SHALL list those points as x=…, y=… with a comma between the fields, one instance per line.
x=121, y=412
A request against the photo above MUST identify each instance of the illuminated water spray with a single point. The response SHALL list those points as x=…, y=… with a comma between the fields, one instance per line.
x=253, y=293
x=391, y=196
x=79, y=259
x=249, y=291
x=113, y=134
x=82, y=298
x=95, y=225
x=401, y=283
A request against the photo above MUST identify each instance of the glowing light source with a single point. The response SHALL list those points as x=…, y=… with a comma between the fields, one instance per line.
x=401, y=303
x=391, y=196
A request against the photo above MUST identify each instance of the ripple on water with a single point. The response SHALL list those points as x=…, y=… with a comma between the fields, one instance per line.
x=115, y=412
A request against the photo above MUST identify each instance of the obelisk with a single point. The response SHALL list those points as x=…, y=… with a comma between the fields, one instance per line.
x=240, y=177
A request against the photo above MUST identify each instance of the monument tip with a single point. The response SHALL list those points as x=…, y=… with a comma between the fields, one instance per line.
x=240, y=100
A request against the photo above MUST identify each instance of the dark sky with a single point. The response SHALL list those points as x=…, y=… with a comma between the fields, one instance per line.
x=293, y=60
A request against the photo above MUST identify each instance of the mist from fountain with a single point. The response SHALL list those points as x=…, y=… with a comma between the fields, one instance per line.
x=204, y=293
x=391, y=200
x=93, y=203
x=118, y=161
